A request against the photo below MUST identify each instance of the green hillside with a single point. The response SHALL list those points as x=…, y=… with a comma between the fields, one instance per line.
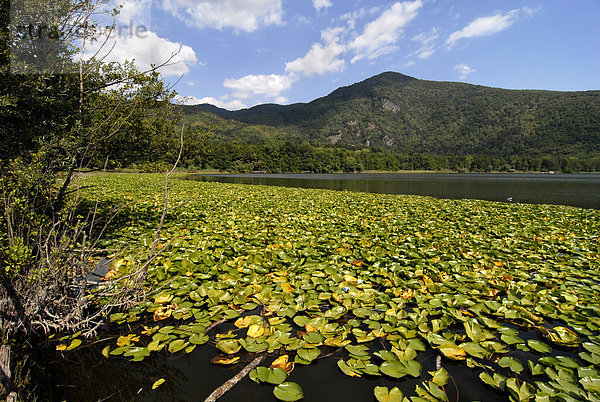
x=406, y=115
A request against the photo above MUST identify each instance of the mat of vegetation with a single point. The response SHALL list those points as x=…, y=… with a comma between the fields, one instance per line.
x=510, y=290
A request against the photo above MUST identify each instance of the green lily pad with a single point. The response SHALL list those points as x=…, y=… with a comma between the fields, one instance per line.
x=75, y=343
x=539, y=346
x=452, y=351
x=511, y=339
x=440, y=377
x=474, y=349
x=346, y=369
x=313, y=337
x=400, y=368
x=199, y=339
x=498, y=381
x=522, y=390
x=308, y=354
x=177, y=345
x=229, y=346
x=288, y=391
x=511, y=363
x=358, y=350
x=591, y=384
x=591, y=347
x=535, y=369
x=383, y=394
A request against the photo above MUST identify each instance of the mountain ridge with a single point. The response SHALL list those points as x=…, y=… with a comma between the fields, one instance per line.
x=404, y=114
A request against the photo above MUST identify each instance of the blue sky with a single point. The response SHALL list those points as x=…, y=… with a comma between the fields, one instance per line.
x=239, y=53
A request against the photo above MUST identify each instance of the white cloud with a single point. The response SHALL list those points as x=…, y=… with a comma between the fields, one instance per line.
x=321, y=59
x=484, y=26
x=409, y=63
x=352, y=17
x=268, y=85
x=321, y=4
x=282, y=100
x=463, y=70
x=137, y=11
x=235, y=104
x=144, y=48
x=245, y=15
x=427, y=40
x=380, y=36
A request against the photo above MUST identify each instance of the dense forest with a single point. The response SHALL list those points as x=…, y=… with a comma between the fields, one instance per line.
x=392, y=121
x=281, y=157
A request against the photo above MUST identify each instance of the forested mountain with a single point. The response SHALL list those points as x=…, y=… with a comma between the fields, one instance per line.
x=404, y=115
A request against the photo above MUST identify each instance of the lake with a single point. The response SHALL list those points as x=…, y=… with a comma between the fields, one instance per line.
x=579, y=190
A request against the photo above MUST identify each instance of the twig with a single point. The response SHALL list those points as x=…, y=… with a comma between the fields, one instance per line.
x=214, y=324
x=219, y=392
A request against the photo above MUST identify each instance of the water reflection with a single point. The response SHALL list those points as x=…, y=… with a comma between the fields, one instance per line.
x=580, y=190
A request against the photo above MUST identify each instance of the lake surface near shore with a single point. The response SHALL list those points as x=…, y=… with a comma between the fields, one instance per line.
x=579, y=190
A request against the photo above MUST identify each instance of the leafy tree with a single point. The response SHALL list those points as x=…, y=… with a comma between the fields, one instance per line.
x=57, y=117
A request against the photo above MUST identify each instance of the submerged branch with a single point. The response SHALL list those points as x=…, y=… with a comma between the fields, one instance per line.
x=219, y=392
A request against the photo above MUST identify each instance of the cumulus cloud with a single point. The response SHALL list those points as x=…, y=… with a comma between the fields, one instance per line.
x=321, y=4
x=137, y=11
x=144, y=48
x=463, y=70
x=321, y=58
x=484, y=26
x=427, y=41
x=244, y=15
x=266, y=85
x=380, y=36
x=235, y=104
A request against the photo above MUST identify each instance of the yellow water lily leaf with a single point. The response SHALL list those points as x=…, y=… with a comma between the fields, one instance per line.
x=283, y=363
x=287, y=288
x=162, y=313
x=350, y=279
x=407, y=294
x=256, y=330
x=149, y=331
x=310, y=328
x=243, y=322
x=452, y=351
x=62, y=346
x=163, y=299
x=337, y=342
x=127, y=340
x=158, y=383
x=225, y=360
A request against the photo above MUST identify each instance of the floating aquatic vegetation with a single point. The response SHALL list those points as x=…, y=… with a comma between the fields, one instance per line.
x=378, y=281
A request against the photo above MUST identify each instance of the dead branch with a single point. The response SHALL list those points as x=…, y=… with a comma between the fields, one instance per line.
x=219, y=392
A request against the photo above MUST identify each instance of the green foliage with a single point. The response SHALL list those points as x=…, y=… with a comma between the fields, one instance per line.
x=277, y=157
x=416, y=117
x=381, y=281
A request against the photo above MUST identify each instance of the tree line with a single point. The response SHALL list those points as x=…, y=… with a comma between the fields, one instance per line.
x=281, y=157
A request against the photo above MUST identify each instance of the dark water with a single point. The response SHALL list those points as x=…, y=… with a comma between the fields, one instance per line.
x=580, y=190
x=87, y=376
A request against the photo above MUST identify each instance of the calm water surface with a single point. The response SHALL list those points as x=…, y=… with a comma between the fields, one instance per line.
x=580, y=190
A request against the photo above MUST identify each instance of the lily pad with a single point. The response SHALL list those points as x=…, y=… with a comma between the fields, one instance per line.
x=288, y=391
x=539, y=346
x=400, y=368
x=383, y=394
x=511, y=363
